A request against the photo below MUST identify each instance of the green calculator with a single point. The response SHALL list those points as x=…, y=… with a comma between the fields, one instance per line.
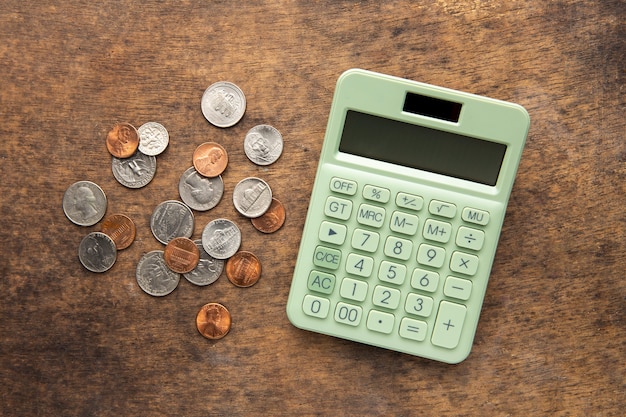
x=405, y=215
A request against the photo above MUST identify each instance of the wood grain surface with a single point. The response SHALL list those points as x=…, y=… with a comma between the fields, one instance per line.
x=552, y=335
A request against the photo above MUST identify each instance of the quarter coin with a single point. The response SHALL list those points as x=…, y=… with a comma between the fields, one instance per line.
x=263, y=144
x=252, y=197
x=122, y=141
x=210, y=159
x=135, y=171
x=121, y=229
x=97, y=252
x=208, y=269
x=213, y=321
x=221, y=238
x=153, y=138
x=171, y=219
x=199, y=192
x=272, y=220
x=154, y=277
x=181, y=255
x=84, y=203
x=223, y=104
x=243, y=269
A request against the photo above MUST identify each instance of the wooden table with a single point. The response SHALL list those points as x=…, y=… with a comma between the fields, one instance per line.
x=552, y=338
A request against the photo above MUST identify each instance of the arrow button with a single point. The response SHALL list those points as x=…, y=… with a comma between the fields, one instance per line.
x=332, y=233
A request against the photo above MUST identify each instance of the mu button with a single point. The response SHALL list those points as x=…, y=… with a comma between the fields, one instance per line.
x=332, y=233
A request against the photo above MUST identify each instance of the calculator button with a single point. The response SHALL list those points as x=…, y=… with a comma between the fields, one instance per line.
x=343, y=186
x=448, y=325
x=326, y=257
x=437, y=231
x=353, y=289
x=409, y=201
x=338, y=208
x=470, y=238
x=380, y=322
x=424, y=280
x=442, y=208
x=359, y=265
x=365, y=240
x=419, y=305
x=413, y=329
x=369, y=215
x=472, y=215
x=316, y=306
x=403, y=223
x=321, y=282
x=386, y=297
x=348, y=314
x=398, y=248
x=432, y=256
x=371, y=192
x=392, y=272
x=457, y=288
x=464, y=263
x=332, y=233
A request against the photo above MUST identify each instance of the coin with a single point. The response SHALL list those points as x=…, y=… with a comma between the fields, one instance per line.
x=121, y=229
x=252, y=197
x=181, y=255
x=221, y=238
x=122, y=141
x=154, y=277
x=263, y=144
x=84, y=203
x=223, y=104
x=153, y=138
x=208, y=269
x=272, y=220
x=199, y=192
x=97, y=252
x=210, y=159
x=243, y=269
x=213, y=321
x=171, y=219
x=135, y=171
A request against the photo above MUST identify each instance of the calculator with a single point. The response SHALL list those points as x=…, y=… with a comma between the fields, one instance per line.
x=405, y=215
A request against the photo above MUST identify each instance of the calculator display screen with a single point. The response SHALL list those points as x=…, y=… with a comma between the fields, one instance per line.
x=422, y=148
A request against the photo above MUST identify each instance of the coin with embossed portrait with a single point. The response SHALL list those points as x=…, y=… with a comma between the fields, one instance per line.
x=252, y=197
x=199, y=192
x=263, y=144
x=213, y=321
x=97, y=252
x=221, y=238
x=84, y=203
x=171, y=219
x=154, y=277
x=153, y=138
x=135, y=171
x=223, y=104
x=122, y=140
x=210, y=159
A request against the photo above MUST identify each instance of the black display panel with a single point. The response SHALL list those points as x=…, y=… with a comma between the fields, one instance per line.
x=422, y=148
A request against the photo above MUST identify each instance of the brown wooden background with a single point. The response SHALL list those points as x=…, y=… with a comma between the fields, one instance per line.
x=552, y=338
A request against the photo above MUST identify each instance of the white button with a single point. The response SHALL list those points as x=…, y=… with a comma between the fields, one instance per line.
x=343, y=186
x=464, y=263
x=380, y=322
x=442, y=208
x=315, y=306
x=413, y=329
x=374, y=193
x=348, y=314
x=332, y=233
x=470, y=238
x=353, y=289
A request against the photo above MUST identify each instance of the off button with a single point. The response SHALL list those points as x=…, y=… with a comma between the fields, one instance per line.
x=343, y=186
x=326, y=257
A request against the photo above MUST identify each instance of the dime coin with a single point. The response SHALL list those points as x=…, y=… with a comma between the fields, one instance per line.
x=272, y=220
x=199, y=192
x=153, y=138
x=135, y=171
x=153, y=275
x=84, y=203
x=121, y=229
x=252, y=197
x=97, y=252
x=223, y=104
x=171, y=219
x=243, y=269
x=181, y=255
x=122, y=141
x=210, y=159
x=221, y=238
x=263, y=144
x=213, y=321
x=208, y=269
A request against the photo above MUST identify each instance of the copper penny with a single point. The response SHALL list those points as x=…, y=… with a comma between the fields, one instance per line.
x=210, y=159
x=181, y=255
x=213, y=321
x=272, y=220
x=122, y=140
x=121, y=229
x=243, y=269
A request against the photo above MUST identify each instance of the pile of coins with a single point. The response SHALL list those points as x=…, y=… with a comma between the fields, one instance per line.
x=201, y=188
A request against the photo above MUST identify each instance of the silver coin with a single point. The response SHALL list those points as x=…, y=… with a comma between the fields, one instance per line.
x=221, y=238
x=252, y=197
x=208, y=269
x=84, y=203
x=153, y=275
x=134, y=172
x=97, y=252
x=199, y=192
x=263, y=144
x=171, y=219
x=153, y=138
x=223, y=104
